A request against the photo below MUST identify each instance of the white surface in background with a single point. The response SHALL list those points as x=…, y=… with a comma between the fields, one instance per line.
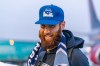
x=17, y=17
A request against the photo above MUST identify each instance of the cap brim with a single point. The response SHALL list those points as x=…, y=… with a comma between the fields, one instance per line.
x=48, y=22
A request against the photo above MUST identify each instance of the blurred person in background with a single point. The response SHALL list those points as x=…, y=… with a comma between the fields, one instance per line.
x=57, y=46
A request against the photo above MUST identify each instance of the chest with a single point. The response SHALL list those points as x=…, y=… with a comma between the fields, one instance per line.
x=49, y=58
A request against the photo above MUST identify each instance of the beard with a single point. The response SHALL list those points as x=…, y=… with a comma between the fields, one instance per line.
x=53, y=42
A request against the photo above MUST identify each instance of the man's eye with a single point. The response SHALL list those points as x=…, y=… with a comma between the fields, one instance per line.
x=52, y=26
x=42, y=26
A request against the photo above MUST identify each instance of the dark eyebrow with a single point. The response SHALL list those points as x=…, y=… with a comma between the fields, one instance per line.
x=52, y=25
x=42, y=25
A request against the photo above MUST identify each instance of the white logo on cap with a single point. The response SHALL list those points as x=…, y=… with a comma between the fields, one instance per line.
x=48, y=13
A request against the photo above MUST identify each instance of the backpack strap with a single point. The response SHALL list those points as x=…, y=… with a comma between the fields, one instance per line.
x=70, y=55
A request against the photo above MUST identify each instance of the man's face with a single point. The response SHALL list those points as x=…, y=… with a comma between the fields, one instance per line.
x=50, y=35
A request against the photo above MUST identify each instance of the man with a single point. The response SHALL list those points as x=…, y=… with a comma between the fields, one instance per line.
x=55, y=42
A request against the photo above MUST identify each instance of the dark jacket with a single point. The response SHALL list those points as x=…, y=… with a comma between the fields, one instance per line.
x=77, y=57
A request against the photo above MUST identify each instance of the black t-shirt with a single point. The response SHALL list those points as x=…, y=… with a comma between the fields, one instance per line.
x=49, y=57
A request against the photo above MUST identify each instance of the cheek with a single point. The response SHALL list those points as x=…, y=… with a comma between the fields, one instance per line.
x=56, y=29
x=41, y=31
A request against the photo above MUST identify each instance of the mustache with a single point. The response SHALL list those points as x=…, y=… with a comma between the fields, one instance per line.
x=48, y=34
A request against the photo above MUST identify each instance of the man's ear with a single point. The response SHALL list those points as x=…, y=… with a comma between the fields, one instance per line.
x=62, y=25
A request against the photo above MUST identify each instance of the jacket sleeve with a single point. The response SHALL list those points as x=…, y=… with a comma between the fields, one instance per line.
x=78, y=58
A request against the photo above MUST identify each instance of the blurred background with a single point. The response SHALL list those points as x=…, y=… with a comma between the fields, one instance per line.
x=19, y=34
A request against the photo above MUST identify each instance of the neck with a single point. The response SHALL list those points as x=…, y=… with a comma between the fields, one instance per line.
x=51, y=48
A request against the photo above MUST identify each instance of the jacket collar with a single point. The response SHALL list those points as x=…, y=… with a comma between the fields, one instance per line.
x=73, y=41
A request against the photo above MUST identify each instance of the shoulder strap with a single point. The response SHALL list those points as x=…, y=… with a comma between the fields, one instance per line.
x=70, y=55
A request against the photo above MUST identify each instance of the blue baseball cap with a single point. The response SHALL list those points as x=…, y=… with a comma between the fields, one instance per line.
x=50, y=15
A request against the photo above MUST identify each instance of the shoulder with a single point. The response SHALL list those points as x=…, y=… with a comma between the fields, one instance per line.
x=78, y=58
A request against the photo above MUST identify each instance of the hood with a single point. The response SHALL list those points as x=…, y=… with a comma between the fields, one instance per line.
x=73, y=41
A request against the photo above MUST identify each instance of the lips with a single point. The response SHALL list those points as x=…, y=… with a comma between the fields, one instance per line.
x=48, y=37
